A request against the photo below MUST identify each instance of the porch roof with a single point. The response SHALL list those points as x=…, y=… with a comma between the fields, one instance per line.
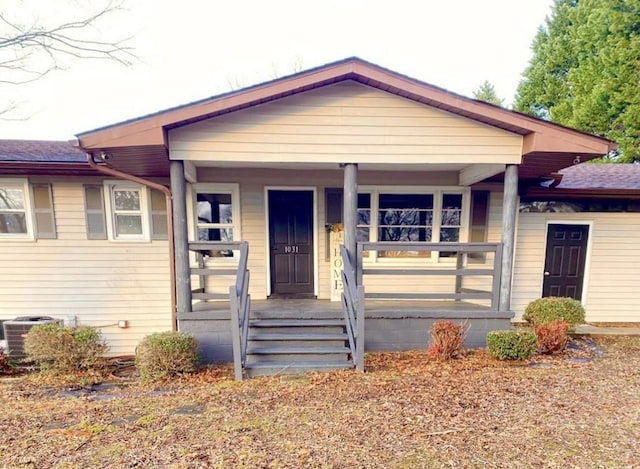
x=140, y=145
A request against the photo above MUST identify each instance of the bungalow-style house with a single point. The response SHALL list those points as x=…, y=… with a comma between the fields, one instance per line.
x=239, y=218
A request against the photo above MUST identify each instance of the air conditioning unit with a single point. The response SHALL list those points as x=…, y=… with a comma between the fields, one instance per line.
x=16, y=330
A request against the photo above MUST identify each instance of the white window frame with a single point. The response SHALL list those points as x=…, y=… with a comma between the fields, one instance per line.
x=22, y=184
x=215, y=188
x=437, y=192
x=109, y=187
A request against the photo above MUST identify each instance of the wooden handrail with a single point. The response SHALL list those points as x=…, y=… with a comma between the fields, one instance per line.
x=459, y=270
x=239, y=298
x=353, y=309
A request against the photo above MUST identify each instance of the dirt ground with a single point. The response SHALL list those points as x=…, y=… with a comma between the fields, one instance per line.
x=577, y=409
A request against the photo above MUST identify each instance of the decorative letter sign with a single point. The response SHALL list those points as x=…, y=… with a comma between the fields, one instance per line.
x=336, y=239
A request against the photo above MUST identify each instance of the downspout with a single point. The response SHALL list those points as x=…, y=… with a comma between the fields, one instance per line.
x=105, y=168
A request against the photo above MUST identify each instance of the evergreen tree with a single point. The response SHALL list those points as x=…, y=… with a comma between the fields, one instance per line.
x=585, y=71
x=486, y=92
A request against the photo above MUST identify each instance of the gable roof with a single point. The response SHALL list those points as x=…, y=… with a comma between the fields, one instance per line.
x=140, y=145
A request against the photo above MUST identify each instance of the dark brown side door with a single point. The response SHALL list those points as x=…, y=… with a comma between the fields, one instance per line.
x=565, y=260
x=291, y=242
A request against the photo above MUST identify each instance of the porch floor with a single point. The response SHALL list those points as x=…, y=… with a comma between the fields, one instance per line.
x=313, y=308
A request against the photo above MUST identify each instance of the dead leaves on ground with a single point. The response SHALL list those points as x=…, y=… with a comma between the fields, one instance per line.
x=579, y=408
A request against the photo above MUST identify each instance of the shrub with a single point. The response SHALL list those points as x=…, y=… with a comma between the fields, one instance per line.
x=5, y=366
x=165, y=354
x=547, y=310
x=65, y=349
x=511, y=345
x=446, y=340
x=552, y=337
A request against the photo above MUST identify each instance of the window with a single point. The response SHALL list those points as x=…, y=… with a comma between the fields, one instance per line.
x=136, y=213
x=216, y=214
x=399, y=214
x=26, y=211
x=15, y=219
x=128, y=211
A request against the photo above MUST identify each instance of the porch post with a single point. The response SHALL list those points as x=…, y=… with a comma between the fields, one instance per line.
x=180, y=237
x=350, y=210
x=509, y=213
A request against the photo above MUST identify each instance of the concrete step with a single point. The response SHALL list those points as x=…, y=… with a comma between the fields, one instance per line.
x=284, y=367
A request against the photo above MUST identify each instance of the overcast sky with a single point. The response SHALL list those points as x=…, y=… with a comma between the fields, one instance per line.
x=193, y=49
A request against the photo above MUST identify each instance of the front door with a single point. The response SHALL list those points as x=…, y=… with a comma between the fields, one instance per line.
x=565, y=260
x=291, y=242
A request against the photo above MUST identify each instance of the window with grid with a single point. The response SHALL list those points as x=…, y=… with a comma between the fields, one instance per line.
x=215, y=214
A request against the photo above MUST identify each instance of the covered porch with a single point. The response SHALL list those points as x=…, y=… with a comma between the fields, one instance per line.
x=298, y=334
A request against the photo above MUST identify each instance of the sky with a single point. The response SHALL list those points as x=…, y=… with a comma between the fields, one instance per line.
x=194, y=49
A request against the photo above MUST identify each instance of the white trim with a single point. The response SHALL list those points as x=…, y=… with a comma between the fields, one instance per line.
x=145, y=236
x=23, y=184
x=316, y=248
x=214, y=188
x=587, y=259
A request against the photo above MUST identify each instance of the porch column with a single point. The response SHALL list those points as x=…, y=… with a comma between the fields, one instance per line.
x=350, y=209
x=509, y=213
x=180, y=237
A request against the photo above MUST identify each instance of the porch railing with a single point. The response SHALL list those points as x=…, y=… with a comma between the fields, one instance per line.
x=460, y=270
x=353, y=309
x=238, y=296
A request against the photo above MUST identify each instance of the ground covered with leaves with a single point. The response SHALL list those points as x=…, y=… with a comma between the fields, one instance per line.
x=577, y=409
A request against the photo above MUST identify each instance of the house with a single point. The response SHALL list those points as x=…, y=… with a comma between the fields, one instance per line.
x=239, y=203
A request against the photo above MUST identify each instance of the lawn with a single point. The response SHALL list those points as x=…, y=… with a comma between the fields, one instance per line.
x=577, y=409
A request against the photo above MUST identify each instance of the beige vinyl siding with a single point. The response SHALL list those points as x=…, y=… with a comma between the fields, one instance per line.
x=97, y=281
x=344, y=122
x=612, y=270
x=252, y=183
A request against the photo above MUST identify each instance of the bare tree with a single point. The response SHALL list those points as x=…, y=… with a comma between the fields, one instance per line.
x=31, y=47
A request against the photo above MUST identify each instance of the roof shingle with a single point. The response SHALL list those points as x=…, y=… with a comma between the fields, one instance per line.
x=600, y=176
x=45, y=151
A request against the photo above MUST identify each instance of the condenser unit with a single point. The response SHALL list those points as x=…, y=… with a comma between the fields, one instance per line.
x=15, y=331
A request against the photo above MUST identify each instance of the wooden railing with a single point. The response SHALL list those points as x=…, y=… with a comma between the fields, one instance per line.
x=238, y=296
x=353, y=309
x=459, y=270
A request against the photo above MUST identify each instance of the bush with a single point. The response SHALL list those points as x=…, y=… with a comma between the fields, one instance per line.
x=511, y=345
x=446, y=340
x=166, y=354
x=552, y=337
x=5, y=366
x=65, y=349
x=547, y=310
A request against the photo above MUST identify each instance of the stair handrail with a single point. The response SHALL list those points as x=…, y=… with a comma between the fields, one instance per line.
x=240, y=305
x=353, y=309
